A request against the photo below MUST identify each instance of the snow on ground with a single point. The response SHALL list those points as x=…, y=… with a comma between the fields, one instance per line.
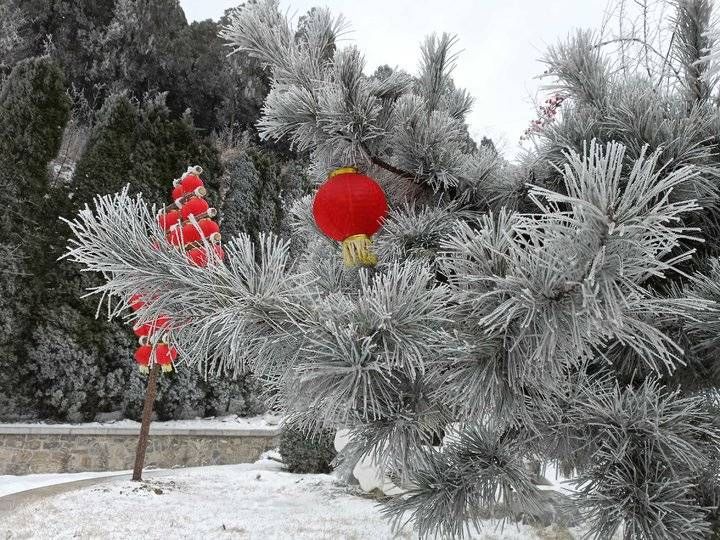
x=249, y=501
x=220, y=422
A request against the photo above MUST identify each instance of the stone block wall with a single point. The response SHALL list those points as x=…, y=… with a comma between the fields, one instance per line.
x=43, y=449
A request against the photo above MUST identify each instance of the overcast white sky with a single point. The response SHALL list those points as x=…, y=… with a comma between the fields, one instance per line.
x=500, y=40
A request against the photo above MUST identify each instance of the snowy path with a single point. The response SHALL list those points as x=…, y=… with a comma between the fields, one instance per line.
x=253, y=501
x=10, y=484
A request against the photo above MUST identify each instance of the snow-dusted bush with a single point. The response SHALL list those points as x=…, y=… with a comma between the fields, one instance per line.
x=304, y=452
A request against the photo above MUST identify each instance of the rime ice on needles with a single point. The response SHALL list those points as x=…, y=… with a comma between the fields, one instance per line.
x=321, y=101
x=526, y=307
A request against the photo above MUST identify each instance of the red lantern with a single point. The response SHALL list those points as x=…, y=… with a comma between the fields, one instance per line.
x=142, y=357
x=168, y=219
x=199, y=256
x=208, y=227
x=188, y=197
x=190, y=233
x=165, y=356
x=175, y=236
x=191, y=182
x=149, y=328
x=194, y=207
x=143, y=330
x=177, y=192
x=136, y=302
x=350, y=207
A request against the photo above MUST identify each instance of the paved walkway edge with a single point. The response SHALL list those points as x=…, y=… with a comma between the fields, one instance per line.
x=13, y=501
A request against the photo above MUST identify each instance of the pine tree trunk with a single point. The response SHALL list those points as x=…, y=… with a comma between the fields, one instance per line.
x=145, y=425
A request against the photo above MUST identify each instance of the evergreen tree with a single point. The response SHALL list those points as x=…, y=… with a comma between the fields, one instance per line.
x=138, y=43
x=11, y=20
x=143, y=145
x=33, y=111
x=114, y=46
x=518, y=312
x=70, y=31
x=219, y=91
x=255, y=188
x=74, y=366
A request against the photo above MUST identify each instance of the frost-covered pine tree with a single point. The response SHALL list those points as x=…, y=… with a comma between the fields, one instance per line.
x=519, y=312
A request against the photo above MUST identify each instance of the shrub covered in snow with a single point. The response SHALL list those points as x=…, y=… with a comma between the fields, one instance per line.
x=303, y=452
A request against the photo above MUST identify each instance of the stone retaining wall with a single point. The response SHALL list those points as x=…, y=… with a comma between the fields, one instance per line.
x=47, y=449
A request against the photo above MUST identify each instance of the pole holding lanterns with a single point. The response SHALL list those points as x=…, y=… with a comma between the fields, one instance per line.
x=188, y=225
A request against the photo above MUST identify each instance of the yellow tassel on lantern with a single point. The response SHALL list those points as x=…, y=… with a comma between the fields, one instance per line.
x=144, y=370
x=356, y=250
x=166, y=368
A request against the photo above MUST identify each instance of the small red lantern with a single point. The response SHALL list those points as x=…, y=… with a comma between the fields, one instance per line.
x=165, y=356
x=142, y=357
x=199, y=256
x=188, y=196
x=190, y=233
x=175, y=236
x=168, y=219
x=190, y=183
x=208, y=227
x=194, y=207
x=143, y=330
x=177, y=192
x=350, y=207
x=150, y=328
x=136, y=302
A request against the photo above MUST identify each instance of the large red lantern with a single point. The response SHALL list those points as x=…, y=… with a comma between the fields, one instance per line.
x=350, y=207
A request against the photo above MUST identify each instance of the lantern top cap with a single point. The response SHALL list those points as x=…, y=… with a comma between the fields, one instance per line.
x=343, y=170
x=196, y=170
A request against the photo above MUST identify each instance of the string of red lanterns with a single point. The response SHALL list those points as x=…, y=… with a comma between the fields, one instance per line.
x=349, y=207
x=188, y=224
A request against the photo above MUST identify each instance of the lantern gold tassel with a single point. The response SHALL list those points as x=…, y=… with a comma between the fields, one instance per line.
x=356, y=250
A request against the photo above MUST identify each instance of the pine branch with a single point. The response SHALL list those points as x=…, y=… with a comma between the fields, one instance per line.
x=648, y=47
x=379, y=162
